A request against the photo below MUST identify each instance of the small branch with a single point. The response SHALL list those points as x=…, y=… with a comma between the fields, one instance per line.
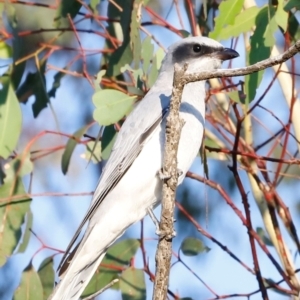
x=93, y=296
x=170, y=175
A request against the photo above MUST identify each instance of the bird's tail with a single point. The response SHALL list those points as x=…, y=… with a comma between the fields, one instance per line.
x=76, y=278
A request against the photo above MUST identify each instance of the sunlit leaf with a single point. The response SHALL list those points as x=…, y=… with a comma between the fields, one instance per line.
x=27, y=233
x=132, y=284
x=93, y=151
x=10, y=118
x=111, y=106
x=243, y=23
x=236, y=96
x=281, y=16
x=156, y=63
x=135, y=39
x=94, y=5
x=5, y=50
x=117, y=257
x=228, y=11
x=71, y=144
x=147, y=53
x=30, y=286
x=12, y=214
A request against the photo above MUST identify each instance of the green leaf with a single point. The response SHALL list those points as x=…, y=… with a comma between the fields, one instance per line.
x=12, y=214
x=111, y=106
x=30, y=286
x=294, y=28
x=10, y=118
x=9, y=10
x=261, y=42
x=56, y=84
x=281, y=16
x=94, y=5
x=228, y=11
x=147, y=53
x=262, y=234
x=123, y=55
x=236, y=96
x=66, y=7
x=132, y=284
x=27, y=233
x=135, y=39
x=137, y=74
x=116, y=259
x=71, y=144
x=269, y=33
x=16, y=72
x=192, y=246
x=184, y=33
x=5, y=50
x=243, y=23
x=35, y=84
x=292, y=4
x=156, y=64
x=47, y=276
x=93, y=151
x=108, y=139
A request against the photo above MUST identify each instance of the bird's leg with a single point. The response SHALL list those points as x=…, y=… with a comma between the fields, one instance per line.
x=156, y=223
x=155, y=220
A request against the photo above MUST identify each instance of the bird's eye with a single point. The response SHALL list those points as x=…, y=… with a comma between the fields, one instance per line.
x=197, y=48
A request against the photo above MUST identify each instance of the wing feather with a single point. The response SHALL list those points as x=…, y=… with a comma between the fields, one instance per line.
x=127, y=147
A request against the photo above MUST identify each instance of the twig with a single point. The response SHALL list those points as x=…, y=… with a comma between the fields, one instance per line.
x=170, y=175
x=102, y=290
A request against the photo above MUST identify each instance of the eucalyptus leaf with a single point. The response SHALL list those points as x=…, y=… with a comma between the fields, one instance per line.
x=117, y=257
x=193, y=246
x=132, y=284
x=30, y=286
x=10, y=118
x=228, y=10
x=111, y=106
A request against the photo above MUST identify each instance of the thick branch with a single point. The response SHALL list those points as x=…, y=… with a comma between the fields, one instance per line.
x=170, y=173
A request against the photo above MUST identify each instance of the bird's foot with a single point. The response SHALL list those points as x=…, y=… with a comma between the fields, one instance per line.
x=163, y=176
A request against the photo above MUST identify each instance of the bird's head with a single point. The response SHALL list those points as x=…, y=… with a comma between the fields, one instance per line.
x=201, y=54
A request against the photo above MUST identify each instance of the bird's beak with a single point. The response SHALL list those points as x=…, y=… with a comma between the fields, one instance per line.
x=225, y=54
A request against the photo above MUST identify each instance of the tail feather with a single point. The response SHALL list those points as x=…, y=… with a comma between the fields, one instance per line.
x=75, y=281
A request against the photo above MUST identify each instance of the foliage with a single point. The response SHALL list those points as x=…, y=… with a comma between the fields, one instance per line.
x=66, y=44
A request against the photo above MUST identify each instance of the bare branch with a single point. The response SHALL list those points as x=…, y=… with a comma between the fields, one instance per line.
x=170, y=177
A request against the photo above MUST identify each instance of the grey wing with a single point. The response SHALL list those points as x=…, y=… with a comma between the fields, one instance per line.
x=131, y=138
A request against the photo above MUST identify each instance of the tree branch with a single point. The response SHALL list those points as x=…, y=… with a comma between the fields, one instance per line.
x=170, y=177
x=170, y=172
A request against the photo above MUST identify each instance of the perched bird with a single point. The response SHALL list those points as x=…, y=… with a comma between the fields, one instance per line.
x=129, y=185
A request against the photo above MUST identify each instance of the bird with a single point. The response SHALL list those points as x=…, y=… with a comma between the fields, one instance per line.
x=129, y=186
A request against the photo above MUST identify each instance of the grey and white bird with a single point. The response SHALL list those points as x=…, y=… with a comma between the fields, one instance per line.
x=129, y=185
